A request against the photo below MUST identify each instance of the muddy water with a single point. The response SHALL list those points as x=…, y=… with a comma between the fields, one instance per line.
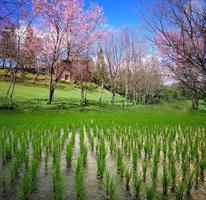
x=12, y=188
x=69, y=173
x=44, y=186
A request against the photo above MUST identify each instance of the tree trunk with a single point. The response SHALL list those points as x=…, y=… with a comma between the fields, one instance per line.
x=195, y=103
x=51, y=89
x=126, y=96
x=12, y=84
x=51, y=95
x=113, y=96
x=146, y=99
x=4, y=62
x=102, y=89
x=36, y=77
x=135, y=97
x=82, y=95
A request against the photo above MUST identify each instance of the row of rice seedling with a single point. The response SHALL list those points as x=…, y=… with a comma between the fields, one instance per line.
x=58, y=185
x=111, y=185
x=80, y=167
x=31, y=166
x=152, y=161
x=69, y=149
x=159, y=156
x=80, y=179
x=100, y=157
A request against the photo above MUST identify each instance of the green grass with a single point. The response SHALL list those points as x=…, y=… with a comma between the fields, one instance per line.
x=66, y=96
x=32, y=97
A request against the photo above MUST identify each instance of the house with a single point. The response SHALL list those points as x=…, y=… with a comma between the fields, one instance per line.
x=78, y=69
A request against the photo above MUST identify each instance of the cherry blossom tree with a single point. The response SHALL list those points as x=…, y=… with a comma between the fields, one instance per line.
x=68, y=30
x=14, y=26
x=180, y=34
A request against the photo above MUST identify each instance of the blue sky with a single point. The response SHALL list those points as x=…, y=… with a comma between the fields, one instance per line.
x=121, y=12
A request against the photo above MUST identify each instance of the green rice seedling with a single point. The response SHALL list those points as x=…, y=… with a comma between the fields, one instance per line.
x=80, y=179
x=173, y=173
x=119, y=160
x=3, y=183
x=84, y=153
x=69, y=153
x=125, y=145
x=179, y=193
x=165, y=180
x=164, y=148
x=46, y=158
x=13, y=168
x=55, y=153
x=154, y=172
x=127, y=177
x=26, y=160
x=7, y=152
x=58, y=185
x=134, y=159
x=112, y=146
x=26, y=186
x=148, y=149
x=101, y=155
x=97, y=148
x=107, y=180
x=34, y=168
x=112, y=187
x=202, y=166
x=144, y=169
x=150, y=192
x=189, y=184
x=92, y=142
x=184, y=166
x=137, y=182
x=101, y=166
x=197, y=173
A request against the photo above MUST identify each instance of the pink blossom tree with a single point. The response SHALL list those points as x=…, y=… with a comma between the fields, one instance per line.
x=15, y=20
x=67, y=31
x=180, y=32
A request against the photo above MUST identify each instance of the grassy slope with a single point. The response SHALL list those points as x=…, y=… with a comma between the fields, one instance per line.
x=29, y=96
x=66, y=96
x=33, y=97
x=66, y=91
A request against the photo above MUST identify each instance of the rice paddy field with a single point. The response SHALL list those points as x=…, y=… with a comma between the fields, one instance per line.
x=119, y=155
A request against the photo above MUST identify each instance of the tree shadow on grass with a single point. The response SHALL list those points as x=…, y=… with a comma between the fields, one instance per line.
x=57, y=105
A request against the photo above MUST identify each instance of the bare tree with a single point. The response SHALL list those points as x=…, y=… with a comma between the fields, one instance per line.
x=99, y=73
x=113, y=51
x=131, y=54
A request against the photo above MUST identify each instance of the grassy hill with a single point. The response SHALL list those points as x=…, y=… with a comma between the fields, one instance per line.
x=32, y=95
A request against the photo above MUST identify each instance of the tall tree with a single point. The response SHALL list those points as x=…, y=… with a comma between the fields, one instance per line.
x=16, y=25
x=180, y=34
x=68, y=32
x=113, y=51
x=99, y=73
